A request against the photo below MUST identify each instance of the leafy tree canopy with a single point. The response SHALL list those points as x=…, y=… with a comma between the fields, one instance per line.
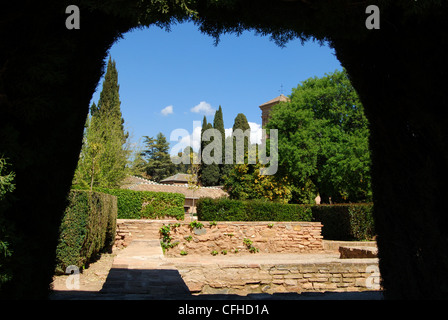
x=159, y=164
x=323, y=139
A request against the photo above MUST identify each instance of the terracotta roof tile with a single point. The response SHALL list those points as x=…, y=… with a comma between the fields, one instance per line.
x=140, y=184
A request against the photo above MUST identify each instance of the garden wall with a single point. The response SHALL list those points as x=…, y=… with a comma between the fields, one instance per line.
x=267, y=237
x=235, y=237
x=242, y=279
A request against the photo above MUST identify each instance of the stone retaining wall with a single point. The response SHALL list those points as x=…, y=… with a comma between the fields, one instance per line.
x=210, y=277
x=139, y=229
x=267, y=237
x=244, y=279
x=230, y=237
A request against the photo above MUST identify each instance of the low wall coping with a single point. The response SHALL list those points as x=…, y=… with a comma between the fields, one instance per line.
x=304, y=223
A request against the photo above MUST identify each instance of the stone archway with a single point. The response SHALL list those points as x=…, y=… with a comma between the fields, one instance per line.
x=48, y=74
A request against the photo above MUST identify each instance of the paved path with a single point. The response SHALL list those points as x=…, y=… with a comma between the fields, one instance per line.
x=141, y=268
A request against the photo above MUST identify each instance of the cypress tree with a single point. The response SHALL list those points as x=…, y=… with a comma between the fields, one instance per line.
x=208, y=173
x=218, y=124
x=104, y=156
x=241, y=122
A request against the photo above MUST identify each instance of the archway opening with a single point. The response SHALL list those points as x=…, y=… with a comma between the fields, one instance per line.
x=386, y=66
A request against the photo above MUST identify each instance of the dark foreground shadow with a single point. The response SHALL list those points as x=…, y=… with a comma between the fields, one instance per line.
x=167, y=284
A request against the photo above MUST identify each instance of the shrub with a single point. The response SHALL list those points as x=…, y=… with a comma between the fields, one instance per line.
x=147, y=204
x=224, y=209
x=88, y=228
x=345, y=221
x=340, y=221
x=7, y=233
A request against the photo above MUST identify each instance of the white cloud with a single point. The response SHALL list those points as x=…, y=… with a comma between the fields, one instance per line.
x=228, y=132
x=204, y=108
x=167, y=110
x=255, y=132
x=187, y=139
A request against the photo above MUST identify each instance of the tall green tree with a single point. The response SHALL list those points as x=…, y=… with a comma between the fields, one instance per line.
x=159, y=165
x=187, y=158
x=208, y=172
x=241, y=123
x=323, y=140
x=104, y=155
x=218, y=124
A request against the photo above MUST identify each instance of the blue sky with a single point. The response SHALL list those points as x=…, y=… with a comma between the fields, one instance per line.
x=168, y=80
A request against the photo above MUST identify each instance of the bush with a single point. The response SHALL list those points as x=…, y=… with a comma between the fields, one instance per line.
x=7, y=232
x=345, y=221
x=340, y=221
x=88, y=228
x=147, y=204
x=224, y=209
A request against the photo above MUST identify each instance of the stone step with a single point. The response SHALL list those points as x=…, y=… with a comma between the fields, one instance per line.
x=358, y=252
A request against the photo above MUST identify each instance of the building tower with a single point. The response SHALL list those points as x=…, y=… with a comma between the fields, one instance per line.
x=266, y=108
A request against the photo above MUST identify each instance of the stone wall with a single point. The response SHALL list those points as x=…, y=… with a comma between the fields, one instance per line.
x=138, y=229
x=243, y=279
x=267, y=237
x=240, y=237
x=249, y=273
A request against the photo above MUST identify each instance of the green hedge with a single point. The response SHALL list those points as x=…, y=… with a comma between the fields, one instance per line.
x=88, y=228
x=345, y=221
x=147, y=204
x=224, y=209
x=340, y=221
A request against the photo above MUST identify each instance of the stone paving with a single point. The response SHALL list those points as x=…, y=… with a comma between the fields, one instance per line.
x=141, y=271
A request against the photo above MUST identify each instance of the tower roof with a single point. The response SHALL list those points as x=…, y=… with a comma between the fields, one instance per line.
x=280, y=98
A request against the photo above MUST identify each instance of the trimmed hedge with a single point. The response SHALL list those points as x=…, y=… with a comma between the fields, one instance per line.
x=345, y=221
x=88, y=228
x=223, y=209
x=340, y=221
x=147, y=204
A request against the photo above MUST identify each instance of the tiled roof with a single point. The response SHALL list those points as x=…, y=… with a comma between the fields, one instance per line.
x=280, y=98
x=178, y=177
x=140, y=184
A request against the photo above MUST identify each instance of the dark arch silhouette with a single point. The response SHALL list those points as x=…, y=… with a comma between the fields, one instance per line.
x=49, y=73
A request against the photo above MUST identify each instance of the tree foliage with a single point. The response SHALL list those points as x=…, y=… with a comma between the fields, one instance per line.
x=244, y=182
x=218, y=124
x=7, y=186
x=158, y=161
x=209, y=174
x=323, y=139
x=240, y=145
x=104, y=155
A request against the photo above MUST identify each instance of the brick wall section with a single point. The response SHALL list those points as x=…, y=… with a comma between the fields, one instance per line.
x=267, y=237
x=242, y=279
